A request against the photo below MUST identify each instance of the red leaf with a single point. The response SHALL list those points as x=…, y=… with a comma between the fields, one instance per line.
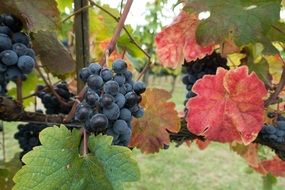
x=178, y=42
x=275, y=166
x=150, y=132
x=228, y=106
x=202, y=144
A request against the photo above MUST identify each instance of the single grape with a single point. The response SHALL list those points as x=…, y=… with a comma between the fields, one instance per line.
x=95, y=82
x=94, y=68
x=128, y=75
x=111, y=87
x=125, y=114
x=106, y=74
x=120, y=126
x=9, y=57
x=26, y=64
x=13, y=23
x=91, y=98
x=3, y=67
x=139, y=113
x=20, y=49
x=21, y=37
x=119, y=66
x=82, y=112
x=120, y=100
x=13, y=73
x=5, y=42
x=120, y=79
x=112, y=112
x=98, y=122
x=5, y=30
x=106, y=100
x=84, y=74
x=131, y=99
x=139, y=87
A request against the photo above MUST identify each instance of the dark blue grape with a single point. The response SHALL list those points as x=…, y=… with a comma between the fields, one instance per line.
x=106, y=74
x=13, y=23
x=106, y=100
x=111, y=87
x=120, y=126
x=5, y=30
x=91, y=98
x=13, y=73
x=128, y=75
x=119, y=66
x=112, y=112
x=20, y=49
x=131, y=99
x=125, y=114
x=5, y=42
x=3, y=67
x=26, y=64
x=139, y=87
x=128, y=87
x=139, y=113
x=95, y=82
x=84, y=74
x=21, y=37
x=82, y=112
x=94, y=68
x=9, y=57
x=98, y=122
x=113, y=134
x=120, y=79
x=120, y=100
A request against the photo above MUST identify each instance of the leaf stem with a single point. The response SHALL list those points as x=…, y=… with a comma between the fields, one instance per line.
x=76, y=12
x=278, y=89
x=19, y=90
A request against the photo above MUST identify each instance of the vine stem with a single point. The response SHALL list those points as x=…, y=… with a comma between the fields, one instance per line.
x=3, y=141
x=145, y=69
x=76, y=12
x=118, y=30
x=85, y=142
x=50, y=86
x=278, y=89
x=19, y=90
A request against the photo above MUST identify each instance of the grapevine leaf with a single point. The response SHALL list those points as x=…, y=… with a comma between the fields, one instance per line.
x=36, y=14
x=178, y=41
x=228, y=106
x=247, y=21
x=150, y=131
x=53, y=55
x=57, y=164
x=275, y=166
x=202, y=145
x=249, y=153
x=62, y=4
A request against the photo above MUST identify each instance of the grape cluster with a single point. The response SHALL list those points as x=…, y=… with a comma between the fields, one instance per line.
x=111, y=100
x=51, y=103
x=17, y=59
x=28, y=136
x=197, y=69
x=275, y=134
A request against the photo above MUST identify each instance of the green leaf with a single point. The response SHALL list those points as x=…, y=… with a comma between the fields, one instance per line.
x=262, y=70
x=245, y=21
x=53, y=55
x=268, y=181
x=62, y=4
x=7, y=171
x=57, y=164
x=36, y=14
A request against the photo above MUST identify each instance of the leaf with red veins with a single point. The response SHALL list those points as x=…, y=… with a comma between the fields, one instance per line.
x=150, y=133
x=228, y=106
x=178, y=42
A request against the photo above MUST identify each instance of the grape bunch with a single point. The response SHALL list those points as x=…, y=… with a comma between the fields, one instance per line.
x=275, y=134
x=111, y=100
x=17, y=59
x=51, y=103
x=28, y=136
x=197, y=69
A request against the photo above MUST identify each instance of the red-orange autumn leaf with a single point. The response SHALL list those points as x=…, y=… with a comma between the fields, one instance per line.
x=202, y=145
x=178, y=42
x=150, y=132
x=249, y=153
x=275, y=166
x=228, y=106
